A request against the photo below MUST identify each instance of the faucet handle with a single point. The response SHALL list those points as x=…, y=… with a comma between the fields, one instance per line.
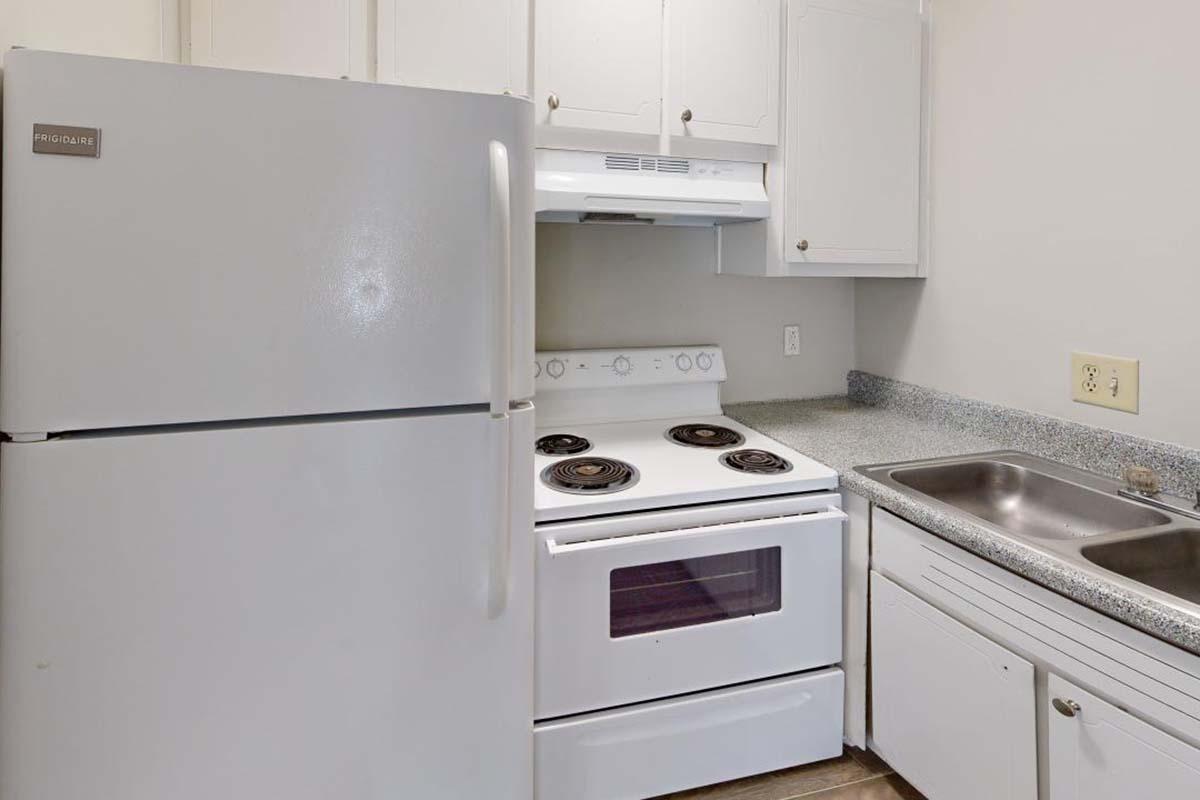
x=1144, y=480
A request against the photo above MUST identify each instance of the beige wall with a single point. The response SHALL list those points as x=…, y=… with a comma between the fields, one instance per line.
x=1066, y=211
x=126, y=28
x=616, y=286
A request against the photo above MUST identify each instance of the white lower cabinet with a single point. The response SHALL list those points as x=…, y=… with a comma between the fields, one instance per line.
x=953, y=712
x=1099, y=752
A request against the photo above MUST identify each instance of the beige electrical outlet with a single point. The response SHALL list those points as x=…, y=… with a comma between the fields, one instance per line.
x=1107, y=381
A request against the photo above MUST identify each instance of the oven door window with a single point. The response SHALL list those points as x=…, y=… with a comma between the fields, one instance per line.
x=693, y=591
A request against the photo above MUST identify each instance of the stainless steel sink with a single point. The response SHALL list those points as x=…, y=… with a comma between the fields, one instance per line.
x=1169, y=561
x=1026, y=502
x=1064, y=512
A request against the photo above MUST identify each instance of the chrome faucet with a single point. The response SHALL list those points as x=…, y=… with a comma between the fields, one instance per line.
x=1143, y=485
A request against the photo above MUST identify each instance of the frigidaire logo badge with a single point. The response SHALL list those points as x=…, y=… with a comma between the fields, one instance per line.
x=66, y=140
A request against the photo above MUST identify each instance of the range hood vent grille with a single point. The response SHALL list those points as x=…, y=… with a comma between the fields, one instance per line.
x=677, y=166
x=622, y=162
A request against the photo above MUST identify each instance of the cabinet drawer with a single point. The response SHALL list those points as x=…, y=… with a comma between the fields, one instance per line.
x=668, y=745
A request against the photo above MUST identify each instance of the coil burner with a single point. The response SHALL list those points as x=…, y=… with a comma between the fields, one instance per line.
x=759, y=462
x=563, y=444
x=590, y=475
x=705, y=436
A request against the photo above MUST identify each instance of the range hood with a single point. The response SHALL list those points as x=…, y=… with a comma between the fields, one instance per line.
x=577, y=186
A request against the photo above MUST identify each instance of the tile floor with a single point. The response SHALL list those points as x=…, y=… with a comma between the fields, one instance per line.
x=857, y=775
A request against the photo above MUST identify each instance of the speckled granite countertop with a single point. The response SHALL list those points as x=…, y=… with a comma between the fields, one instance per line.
x=902, y=423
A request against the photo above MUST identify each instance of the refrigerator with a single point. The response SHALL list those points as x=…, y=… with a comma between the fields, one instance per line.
x=266, y=351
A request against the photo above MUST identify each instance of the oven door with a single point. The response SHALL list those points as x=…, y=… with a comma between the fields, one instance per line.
x=645, y=606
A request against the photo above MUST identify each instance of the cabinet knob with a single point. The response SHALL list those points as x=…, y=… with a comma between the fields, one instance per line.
x=802, y=245
x=552, y=101
x=686, y=116
x=1068, y=708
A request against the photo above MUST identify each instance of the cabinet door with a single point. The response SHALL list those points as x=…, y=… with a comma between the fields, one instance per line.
x=953, y=712
x=465, y=45
x=315, y=37
x=1098, y=752
x=141, y=29
x=599, y=65
x=723, y=80
x=853, y=131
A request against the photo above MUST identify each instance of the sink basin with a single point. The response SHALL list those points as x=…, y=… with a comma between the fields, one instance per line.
x=1169, y=562
x=1027, y=502
x=1064, y=513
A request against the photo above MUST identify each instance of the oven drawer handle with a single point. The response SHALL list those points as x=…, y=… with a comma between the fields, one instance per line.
x=556, y=548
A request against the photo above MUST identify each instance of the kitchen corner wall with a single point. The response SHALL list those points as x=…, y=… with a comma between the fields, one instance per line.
x=625, y=286
x=1066, y=211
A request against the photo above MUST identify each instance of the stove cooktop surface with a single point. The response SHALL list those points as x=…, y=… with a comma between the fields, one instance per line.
x=676, y=462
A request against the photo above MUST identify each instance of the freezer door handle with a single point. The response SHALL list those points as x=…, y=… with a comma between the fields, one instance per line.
x=501, y=239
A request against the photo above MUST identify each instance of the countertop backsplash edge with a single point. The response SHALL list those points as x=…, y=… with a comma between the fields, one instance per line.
x=1096, y=449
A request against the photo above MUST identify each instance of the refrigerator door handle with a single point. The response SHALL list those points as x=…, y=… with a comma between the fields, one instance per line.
x=501, y=238
x=501, y=546
x=501, y=342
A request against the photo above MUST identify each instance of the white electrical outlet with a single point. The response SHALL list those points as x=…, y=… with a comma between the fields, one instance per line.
x=1108, y=381
x=791, y=340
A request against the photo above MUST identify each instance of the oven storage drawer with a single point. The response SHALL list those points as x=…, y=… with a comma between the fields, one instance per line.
x=668, y=745
x=625, y=616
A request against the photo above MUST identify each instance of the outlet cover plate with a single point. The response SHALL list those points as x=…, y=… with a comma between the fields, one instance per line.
x=1108, y=381
x=791, y=340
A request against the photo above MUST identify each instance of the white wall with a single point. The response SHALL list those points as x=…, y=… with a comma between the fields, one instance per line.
x=1066, y=211
x=624, y=286
x=125, y=28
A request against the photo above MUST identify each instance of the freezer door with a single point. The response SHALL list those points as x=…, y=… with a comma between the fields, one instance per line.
x=298, y=611
x=250, y=245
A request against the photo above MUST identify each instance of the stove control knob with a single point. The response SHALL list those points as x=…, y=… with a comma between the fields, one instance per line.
x=537, y=369
x=704, y=361
x=622, y=365
x=555, y=368
x=683, y=362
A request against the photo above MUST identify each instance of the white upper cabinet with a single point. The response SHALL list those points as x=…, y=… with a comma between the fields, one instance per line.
x=952, y=711
x=854, y=131
x=465, y=45
x=1099, y=752
x=327, y=38
x=598, y=65
x=723, y=78
x=143, y=29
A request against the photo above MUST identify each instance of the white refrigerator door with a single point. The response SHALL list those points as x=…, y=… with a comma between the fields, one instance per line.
x=298, y=611
x=250, y=245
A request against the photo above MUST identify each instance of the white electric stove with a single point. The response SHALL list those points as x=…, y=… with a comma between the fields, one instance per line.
x=665, y=472
x=689, y=582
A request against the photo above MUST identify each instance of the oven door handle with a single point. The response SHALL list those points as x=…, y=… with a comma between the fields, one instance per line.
x=556, y=548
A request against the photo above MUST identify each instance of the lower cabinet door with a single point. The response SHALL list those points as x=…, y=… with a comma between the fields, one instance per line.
x=1099, y=752
x=953, y=712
